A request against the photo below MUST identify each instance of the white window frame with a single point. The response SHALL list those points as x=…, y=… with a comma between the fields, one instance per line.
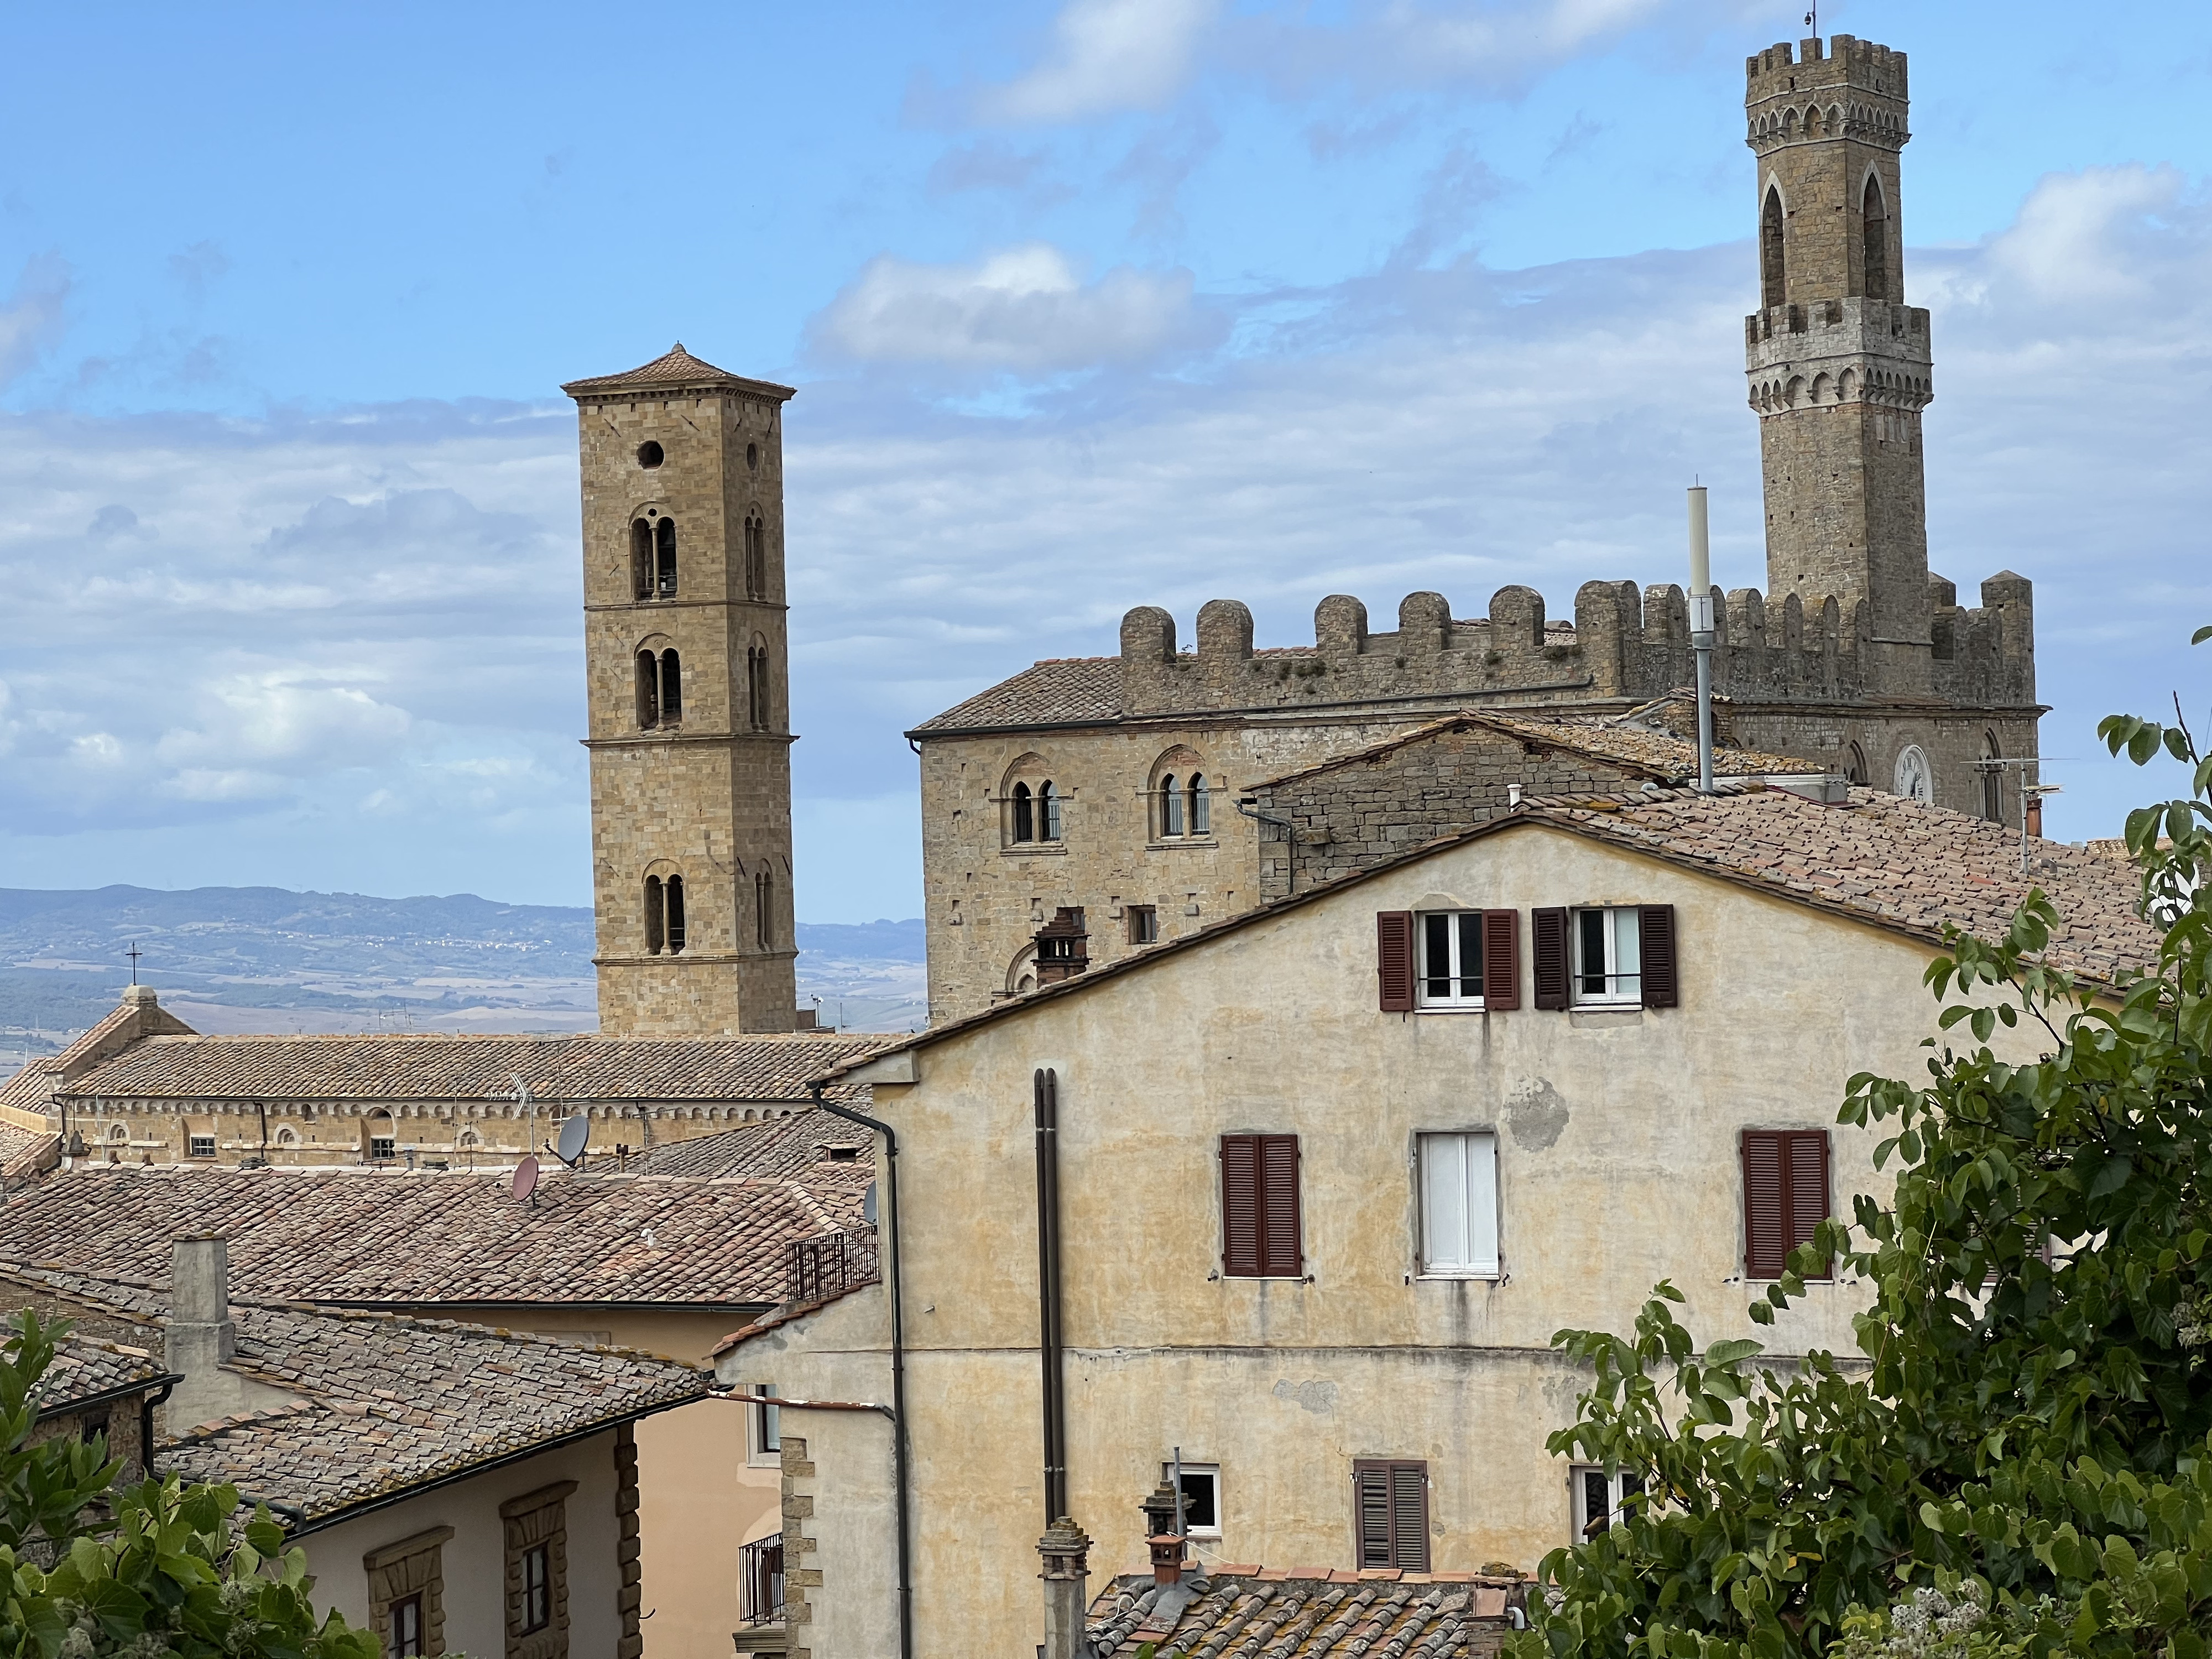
x=1579, y=1477
x=1614, y=995
x=1456, y=1172
x=1210, y=1473
x=764, y=1431
x=194, y=1140
x=1459, y=996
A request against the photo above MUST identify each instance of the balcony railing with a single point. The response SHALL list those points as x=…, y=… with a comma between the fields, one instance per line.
x=817, y=1269
x=760, y=1581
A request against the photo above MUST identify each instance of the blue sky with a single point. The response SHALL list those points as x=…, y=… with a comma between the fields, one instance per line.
x=1090, y=305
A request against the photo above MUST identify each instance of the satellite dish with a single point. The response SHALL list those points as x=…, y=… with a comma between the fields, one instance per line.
x=569, y=1143
x=868, y=1205
x=525, y=1177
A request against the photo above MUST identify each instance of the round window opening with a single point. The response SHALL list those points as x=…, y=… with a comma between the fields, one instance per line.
x=752, y=456
x=650, y=453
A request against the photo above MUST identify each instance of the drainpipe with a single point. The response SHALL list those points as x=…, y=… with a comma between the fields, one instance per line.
x=1290, y=830
x=898, y=1362
x=1701, y=633
x=1046, y=1087
x=147, y=1401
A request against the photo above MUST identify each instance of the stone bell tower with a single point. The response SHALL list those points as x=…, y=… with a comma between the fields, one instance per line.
x=689, y=714
x=1839, y=364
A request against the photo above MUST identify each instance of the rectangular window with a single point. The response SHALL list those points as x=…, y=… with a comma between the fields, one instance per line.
x=1259, y=1220
x=1391, y=1518
x=1608, y=957
x=1459, y=1205
x=379, y=1147
x=1201, y=1497
x=1452, y=959
x=203, y=1146
x=1597, y=1498
x=536, y=1588
x=1785, y=1197
x=1143, y=924
x=406, y=1616
x=768, y=1427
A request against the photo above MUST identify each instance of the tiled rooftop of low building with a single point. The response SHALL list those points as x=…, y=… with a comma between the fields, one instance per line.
x=87, y=1368
x=443, y=1066
x=383, y=1401
x=395, y=1238
x=807, y=1144
x=1306, y=1614
x=1056, y=691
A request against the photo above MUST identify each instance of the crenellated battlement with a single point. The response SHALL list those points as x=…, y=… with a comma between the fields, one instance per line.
x=1624, y=642
x=1857, y=89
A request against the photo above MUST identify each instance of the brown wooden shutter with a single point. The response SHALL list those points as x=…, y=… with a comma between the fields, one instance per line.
x=1390, y=1500
x=1663, y=986
x=1547, y=949
x=1394, y=959
x=1280, y=1256
x=1501, y=959
x=1240, y=1206
x=1807, y=1188
x=1766, y=1226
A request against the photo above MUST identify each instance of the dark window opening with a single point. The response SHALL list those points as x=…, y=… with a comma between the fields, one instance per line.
x=1854, y=766
x=536, y=1588
x=382, y=1148
x=1047, y=801
x=650, y=455
x=1392, y=1505
x=1201, y=806
x=1143, y=924
x=671, y=687
x=1025, y=814
x=1599, y=1499
x=756, y=688
x=672, y=894
x=1874, y=230
x=406, y=1616
x=752, y=458
x=1063, y=947
x=648, y=692
x=664, y=550
x=1992, y=779
x=756, y=559
x=763, y=919
x=1451, y=956
x=653, y=936
x=93, y=1428
x=641, y=560
x=202, y=1145
x=1772, y=287
x=1171, y=804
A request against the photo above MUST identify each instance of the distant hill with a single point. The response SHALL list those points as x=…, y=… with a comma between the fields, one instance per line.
x=266, y=958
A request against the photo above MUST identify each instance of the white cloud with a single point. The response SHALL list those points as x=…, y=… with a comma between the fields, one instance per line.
x=31, y=319
x=1021, y=310
x=1106, y=56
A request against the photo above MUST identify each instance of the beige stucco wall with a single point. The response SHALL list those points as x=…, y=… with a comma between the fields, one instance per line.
x=475, y=1558
x=1617, y=1166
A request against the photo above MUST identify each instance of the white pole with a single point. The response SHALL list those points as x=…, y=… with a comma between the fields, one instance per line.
x=1701, y=632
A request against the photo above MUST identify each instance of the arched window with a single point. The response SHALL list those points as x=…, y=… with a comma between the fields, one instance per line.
x=756, y=559
x=1854, y=766
x=1772, y=288
x=663, y=544
x=649, y=691
x=641, y=560
x=671, y=687
x=1171, y=819
x=287, y=1137
x=1201, y=806
x=1047, y=811
x=119, y=1132
x=654, y=937
x=1874, y=232
x=1025, y=814
x=672, y=893
x=764, y=910
x=1992, y=779
x=756, y=688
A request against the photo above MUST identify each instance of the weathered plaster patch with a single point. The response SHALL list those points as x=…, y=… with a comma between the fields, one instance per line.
x=1316, y=1396
x=1535, y=1113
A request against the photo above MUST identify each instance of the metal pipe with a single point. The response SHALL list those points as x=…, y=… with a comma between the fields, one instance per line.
x=1046, y=1083
x=898, y=1361
x=1290, y=829
x=1701, y=632
x=147, y=1401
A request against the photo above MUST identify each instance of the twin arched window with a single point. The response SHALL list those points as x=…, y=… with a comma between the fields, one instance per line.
x=764, y=910
x=1036, y=815
x=1992, y=779
x=653, y=559
x=1186, y=807
x=757, y=684
x=663, y=915
x=756, y=557
x=659, y=689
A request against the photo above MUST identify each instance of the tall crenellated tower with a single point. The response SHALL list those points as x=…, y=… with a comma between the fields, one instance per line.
x=1839, y=364
x=690, y=712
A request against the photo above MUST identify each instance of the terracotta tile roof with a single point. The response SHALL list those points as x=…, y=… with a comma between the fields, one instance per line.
x=1308, y=1613
x=86, y=1369
x=673, y=368
x=23, y=1151
x=385, y=1402
x=786, y=1315
x=440, y=1067
x=1655, y=754
x=1049, y=693
x=391, y=1238
x=807, y=1146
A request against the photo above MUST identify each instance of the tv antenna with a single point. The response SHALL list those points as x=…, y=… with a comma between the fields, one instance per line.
x=530, y=1115
x=134, y=953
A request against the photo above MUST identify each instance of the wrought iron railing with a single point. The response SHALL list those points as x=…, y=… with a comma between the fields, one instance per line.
x=760, y=1581
x=817, y=1269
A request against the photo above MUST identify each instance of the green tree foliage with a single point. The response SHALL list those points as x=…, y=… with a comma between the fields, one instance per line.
x=2016, y=1462
x=88, y=1569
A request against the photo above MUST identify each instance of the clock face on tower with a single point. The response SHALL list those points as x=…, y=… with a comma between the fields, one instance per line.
x=1914, y=780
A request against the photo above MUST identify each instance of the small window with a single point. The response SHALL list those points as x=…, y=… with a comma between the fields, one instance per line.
x=384, y=1147
x=756, y=684
x=1597, y=1498
x=1048, y=802
x=536, y=1588
x=641, y=560
x=1785, y=1197
x=671, y=688
x=672, y=890
x=649, y=691
x=655, y=917
x=664, y=547
x=752, y=458
x=1201, y=1497
x=756, y=559
x=649, y=455
x=1025, y=814
x=1459, y=1205
x=1391, y=1512
x=1143, y=924
x=767, y=1426
x=1202, y=806
x=764, y=910
x=1452, y=959
x=1608, y=957
x=1171, y=819
x=406, y=1616
x=202, y=1145
x=1992, y=779
x=1259, y=1219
